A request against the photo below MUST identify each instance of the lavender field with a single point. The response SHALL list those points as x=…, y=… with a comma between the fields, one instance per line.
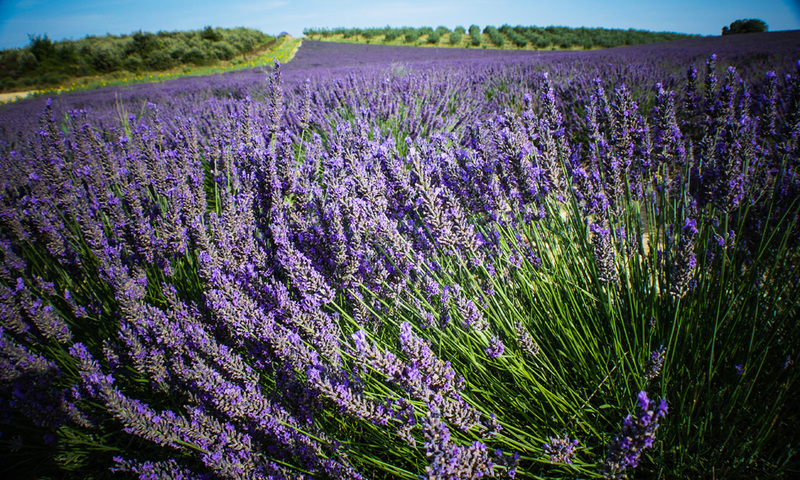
x=386, y=262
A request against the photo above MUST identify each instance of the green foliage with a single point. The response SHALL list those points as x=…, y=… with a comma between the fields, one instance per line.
x=457, y=35
x=517, y=39
x=411, y=35
x=107, y=58
x=161, y=60
x=392, y=34
x=750, y=25
x=370, y=33
x=211, y=34
x=27, y=61
x=41, y=47
x=506, y=36
x=196, y=56
x=475, y=35
x=134, y=63
x=351, y=32
x=143, y=43
x=43, y=60
x=495, y=36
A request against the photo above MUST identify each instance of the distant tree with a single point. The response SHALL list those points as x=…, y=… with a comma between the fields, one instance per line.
x=495, y=36
x=161, y=60
x=412, y=34
x=351, y=32
x=41, y=47
x=458, y=33
x=107, y=58
x=133, y=63
x=209, y=33
x=45, y=63
x=750, y=25
x=475, y=35
x=195, y=55
x=27, y=61
x=143, y=43
x=392, y=34
x=517, y=39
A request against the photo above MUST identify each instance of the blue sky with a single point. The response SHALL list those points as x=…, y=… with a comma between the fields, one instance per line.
x=60, y=19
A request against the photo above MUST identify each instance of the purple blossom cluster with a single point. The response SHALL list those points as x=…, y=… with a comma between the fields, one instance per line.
x=449, y=461
x=656, y=362
x=685, y=260
x=637, y=435
x=560, y=450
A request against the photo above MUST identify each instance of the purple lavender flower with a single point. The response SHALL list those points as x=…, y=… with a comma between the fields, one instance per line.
x=448, y=460
x=788, y=362
x=525, y=340
x=560, y=450
x=495, y=348
x=685, y=260
x=604, y=252
x=653, y=367
x=638, y=434
x=29, y=382
x=511, y=462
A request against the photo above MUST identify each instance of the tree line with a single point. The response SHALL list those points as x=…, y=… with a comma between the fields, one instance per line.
x=748, y=25
x=505, y=37
x=46, y=62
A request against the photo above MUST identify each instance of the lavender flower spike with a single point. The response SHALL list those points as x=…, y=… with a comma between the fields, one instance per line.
x=638, y=434
x=653, y=367
x=685, y=260
x=495, y=348
x=560, y=450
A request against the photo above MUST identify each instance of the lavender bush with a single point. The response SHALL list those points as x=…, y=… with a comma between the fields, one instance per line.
x=460, y=268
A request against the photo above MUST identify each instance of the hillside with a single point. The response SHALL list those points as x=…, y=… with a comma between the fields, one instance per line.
x=505, y=37
x=48, y=64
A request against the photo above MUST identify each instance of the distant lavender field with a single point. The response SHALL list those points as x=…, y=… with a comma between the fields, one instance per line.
x=398, y=262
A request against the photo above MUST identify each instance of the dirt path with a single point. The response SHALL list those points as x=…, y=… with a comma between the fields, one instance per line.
x=10, y=97
x=295, y=49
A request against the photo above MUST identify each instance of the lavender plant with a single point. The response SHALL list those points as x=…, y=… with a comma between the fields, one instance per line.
x=381, y=272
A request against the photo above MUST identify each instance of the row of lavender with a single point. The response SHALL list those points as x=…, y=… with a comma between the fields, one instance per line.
x=451, y=269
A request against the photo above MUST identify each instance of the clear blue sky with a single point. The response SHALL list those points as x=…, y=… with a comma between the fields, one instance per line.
x=75, y=19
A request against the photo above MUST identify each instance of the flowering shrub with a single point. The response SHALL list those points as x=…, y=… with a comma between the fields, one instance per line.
x=393, y=271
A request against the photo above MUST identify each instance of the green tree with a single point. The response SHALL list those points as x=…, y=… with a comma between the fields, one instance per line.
x=495, y=36
x=412, y=34
x=475, y=34
x=212, y=34
x=392, y=34
x=750, y=25
x=159, y=60
x=143, y=43
x=27, y=61
x=458, y=33
x=107, y=58
x=41, y=47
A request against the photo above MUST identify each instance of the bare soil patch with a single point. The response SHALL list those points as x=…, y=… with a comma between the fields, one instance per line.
x=10, y=97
